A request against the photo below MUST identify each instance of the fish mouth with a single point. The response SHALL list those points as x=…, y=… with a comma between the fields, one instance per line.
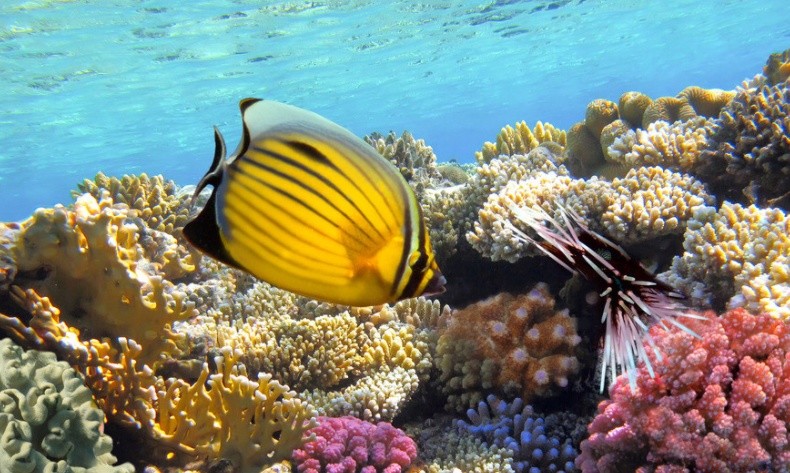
x=436, y=285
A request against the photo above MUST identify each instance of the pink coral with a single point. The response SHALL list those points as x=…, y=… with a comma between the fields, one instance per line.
x=350, y=445
x=719, y=403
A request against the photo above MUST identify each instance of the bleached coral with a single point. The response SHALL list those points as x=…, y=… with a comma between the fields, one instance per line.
x=736, y=255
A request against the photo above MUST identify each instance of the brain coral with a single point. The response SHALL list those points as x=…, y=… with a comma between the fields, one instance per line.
x=750, y=155
x=516, y=345
x=718, y=403
x=738, y=256
x=350, y=445
x=48, y=420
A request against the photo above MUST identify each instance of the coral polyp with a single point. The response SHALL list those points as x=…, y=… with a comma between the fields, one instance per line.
x=633, y=298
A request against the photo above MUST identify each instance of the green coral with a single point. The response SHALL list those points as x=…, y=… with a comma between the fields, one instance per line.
x=47, y=417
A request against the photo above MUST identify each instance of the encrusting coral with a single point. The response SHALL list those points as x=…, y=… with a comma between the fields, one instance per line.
x=720, y=402
x=517, y=345
x=739, y=256
x=108, y=274
x=48, y=420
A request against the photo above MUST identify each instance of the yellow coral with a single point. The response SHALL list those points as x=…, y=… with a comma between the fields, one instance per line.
x=668, y=109
x=153, y=199
x=632, y=107
x=584, y=150
x=520, y=140
x=707, y=102
x=777, y=67
x=97, y=273
x=599, y=113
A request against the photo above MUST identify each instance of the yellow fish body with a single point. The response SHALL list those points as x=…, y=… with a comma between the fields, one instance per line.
x=307, y=206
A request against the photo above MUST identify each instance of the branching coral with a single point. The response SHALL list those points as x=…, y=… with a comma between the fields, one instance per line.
x=750, y=155
x=738, y=255
x=347, y=444
x=677, y=146
x=413, y=158
x=517, y=345
x=717, y=403
x=156, y=201
x=48, y=420
x=518, y=428
x=102, y=274
x=520, y=140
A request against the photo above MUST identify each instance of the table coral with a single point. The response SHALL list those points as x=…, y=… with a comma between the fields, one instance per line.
x=101, y=273
x=750, y=154
x=738, y=256
x=717, y=403
x=350, y=445
x=48, y=420
x=517, y=345
x=518, y=428
x=520, y=140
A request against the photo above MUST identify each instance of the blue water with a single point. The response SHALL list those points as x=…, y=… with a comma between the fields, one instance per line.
x=124, y=86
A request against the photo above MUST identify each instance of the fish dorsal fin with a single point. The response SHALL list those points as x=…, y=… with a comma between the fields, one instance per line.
x=214, y=174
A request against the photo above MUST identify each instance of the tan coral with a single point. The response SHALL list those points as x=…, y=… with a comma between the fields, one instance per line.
x=777, y=67
x=707, y=102
x=738, y=256
x=584, y=150
x=153, y=199
x=99, y=275
x=652, y=202
x=520, y=140
x=518, y=345
x=678, y=145
x=632, y=106
x=599, y=113
x=668, y=109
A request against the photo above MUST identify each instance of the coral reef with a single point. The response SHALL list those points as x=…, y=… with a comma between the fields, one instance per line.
x=632, y=106
x=517, y=345
x=350, y=445
x=749, y=159
x=717, y=403
x=777, y=67
x=521, y=140
x=736, y=256
x=706, y=102
x=668, y=109
x=584, y=151
x=518, y=428
x=446, y=449
x=109, y=275
x=49, y=421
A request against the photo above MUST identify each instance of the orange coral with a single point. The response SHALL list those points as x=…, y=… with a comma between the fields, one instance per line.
x=520, y=345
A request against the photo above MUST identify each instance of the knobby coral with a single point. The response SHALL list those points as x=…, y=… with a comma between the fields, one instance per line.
x=719, y=403
x=521, y=140
x=350, y=445
x=516, y=345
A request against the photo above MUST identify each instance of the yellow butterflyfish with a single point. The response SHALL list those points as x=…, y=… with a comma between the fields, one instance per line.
x=308, y=207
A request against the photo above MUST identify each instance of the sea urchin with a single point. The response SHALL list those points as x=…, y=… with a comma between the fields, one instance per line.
x=633, y=298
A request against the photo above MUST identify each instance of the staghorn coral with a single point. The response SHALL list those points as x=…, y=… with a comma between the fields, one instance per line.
x=518, y=428
x=49, y=421
x=347, y=444
x=738, y=256
x=668, y=109
x=102, y=274
x=717, y=403
x=156, y=201
x=520, y=140
x=517, y=345
x=632, y=106
x=749, y=157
